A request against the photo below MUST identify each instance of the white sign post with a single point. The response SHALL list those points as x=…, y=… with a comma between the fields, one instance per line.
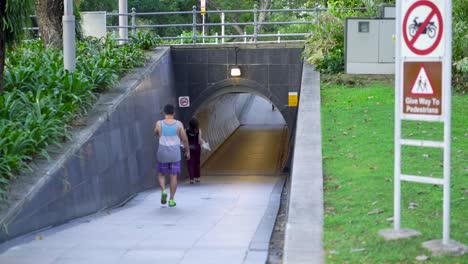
x=203, y=10
x=423, y=93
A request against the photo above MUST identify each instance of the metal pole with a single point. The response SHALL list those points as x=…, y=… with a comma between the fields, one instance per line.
x=316, y=14
x=123, y=21
x=245, y=36
x=447, y=77
x=194, y=31
x=133, y=21
x=223, y=19
x=279, y=37
x=203, y=28
x=397, y=136
x=255, y=22
x=216, y=37
x=69, y=47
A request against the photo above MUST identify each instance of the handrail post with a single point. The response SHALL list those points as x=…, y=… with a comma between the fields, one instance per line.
x=279, y=37
x=255, y=22
x=216, y=37
x=181, y=39
x=317, y=13
x=133, y=21
x=223, y=20
x=245, y=36
x=194, y=31
x=203, y=28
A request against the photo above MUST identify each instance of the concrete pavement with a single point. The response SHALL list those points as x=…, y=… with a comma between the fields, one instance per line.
x=214, y=222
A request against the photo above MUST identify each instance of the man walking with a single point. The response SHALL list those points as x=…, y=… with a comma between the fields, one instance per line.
x=170, y=132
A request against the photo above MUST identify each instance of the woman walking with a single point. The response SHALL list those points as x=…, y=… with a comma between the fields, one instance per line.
x=195, y=140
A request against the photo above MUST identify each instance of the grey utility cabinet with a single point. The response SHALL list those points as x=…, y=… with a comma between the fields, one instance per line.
x=370, y=45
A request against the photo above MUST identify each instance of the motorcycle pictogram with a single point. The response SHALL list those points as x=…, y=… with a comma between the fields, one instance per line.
x=430, y=30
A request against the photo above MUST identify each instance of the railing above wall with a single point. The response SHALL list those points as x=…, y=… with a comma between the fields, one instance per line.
x=254, y=26
x=253, y=32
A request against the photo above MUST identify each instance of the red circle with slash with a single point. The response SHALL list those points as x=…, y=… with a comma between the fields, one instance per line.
x=411, y=42
x=183, y=101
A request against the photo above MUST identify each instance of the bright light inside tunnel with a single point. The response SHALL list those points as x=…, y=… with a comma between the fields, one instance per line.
x=247, y=133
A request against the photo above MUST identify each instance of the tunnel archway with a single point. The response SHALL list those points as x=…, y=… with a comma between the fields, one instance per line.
x=243, y=86
x=237, y=85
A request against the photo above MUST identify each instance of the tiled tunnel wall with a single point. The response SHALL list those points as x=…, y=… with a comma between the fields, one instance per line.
x=110, y=159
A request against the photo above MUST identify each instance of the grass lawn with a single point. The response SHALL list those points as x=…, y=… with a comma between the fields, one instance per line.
x=357, y=142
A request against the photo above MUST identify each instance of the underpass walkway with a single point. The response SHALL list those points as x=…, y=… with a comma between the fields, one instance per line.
x=225, y=219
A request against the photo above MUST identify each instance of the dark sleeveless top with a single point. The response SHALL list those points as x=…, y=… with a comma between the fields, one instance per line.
x=192, y=138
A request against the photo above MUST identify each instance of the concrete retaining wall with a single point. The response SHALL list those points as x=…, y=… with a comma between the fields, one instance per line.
x=110, y=158
x=304, y=227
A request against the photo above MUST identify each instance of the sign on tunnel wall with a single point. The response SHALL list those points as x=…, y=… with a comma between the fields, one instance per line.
x=292, y=99
x=184, y=101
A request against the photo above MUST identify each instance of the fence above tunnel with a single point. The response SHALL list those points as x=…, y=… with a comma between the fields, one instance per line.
x=202, y=32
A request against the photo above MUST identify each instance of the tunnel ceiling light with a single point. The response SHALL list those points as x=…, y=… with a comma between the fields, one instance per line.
x=235, y=71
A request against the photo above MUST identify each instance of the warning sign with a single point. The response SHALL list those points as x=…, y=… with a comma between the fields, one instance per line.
x=422, y=88
x=422, y=85
x=293, y=99
x=423, y=28
x=184, y=101
x=203, y=7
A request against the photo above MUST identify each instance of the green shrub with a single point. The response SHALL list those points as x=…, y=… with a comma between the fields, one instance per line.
x=41, y=99
x=325, y=48
x=460, y=46
x=146, y=40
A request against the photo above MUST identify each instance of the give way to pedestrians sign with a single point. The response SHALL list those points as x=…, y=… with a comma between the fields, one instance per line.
x=423, y=93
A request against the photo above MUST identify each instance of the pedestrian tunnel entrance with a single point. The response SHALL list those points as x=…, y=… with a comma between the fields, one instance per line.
x=247, y=134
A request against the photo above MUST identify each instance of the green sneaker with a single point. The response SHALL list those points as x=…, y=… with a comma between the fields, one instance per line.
x=163, y=197
x=172, y=203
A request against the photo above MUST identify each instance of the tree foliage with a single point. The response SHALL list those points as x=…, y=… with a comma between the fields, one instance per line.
x=101, y=5
x=14, y=15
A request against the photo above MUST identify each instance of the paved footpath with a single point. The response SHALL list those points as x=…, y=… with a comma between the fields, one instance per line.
x=214, y=222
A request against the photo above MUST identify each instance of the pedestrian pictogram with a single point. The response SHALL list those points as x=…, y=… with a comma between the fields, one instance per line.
x=422, y=85
x=184, y=101
x=423, y=29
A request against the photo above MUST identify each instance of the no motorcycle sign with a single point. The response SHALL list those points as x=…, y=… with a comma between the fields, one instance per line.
x=423, y=28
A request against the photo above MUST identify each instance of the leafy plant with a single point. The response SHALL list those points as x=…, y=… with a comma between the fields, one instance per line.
x=460, y=46
x=146, y=40
x=41, y=99
x=325, y=48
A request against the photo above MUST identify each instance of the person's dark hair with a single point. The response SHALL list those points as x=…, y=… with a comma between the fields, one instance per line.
x=193, y=125
x=168, y=109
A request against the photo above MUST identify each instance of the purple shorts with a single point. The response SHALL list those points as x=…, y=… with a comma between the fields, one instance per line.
x=169, y=168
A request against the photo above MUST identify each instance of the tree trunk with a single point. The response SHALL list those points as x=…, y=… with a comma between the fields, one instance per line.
x=2, y=41
x=234, y=19
x=49, y=18
x=263, y=15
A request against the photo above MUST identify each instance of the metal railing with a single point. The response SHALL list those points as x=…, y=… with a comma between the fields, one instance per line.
x=253, y=37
